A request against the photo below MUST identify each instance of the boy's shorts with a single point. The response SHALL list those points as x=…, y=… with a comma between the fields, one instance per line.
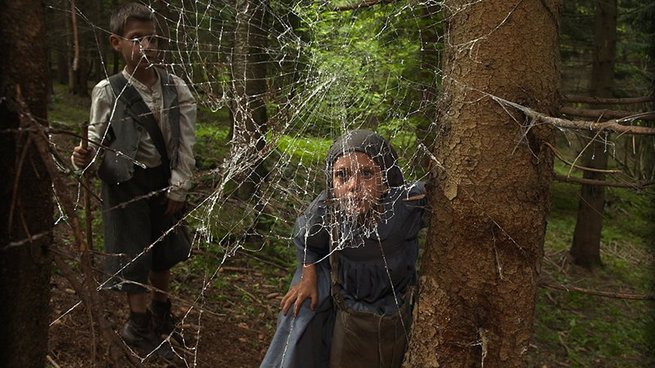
x=133, y=219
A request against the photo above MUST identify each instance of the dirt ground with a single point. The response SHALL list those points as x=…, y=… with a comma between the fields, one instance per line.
x=232, y=330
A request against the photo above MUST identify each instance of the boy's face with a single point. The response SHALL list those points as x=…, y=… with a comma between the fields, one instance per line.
x=357, y=183
x=138, y=44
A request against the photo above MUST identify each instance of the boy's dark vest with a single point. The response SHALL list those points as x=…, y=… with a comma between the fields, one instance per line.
x=131, y=117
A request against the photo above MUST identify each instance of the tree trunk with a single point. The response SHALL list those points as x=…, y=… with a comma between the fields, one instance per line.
x=26, y=207
x=249, y=87
x=79, y=72
x=585, y=248
x=490, y=192
x=429, y=69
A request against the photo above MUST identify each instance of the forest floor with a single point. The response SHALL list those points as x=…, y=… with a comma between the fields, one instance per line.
x=229, y=307
x=230, y=327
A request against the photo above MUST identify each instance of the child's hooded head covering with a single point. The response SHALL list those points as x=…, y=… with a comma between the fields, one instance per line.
x=373, y=145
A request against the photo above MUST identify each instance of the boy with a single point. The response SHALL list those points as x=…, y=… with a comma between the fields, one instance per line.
x=149, y=116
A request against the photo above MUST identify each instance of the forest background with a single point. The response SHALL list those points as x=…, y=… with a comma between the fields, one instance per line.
x=310, y=71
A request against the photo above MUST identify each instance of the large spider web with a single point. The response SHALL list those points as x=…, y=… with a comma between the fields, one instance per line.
x=326, y=68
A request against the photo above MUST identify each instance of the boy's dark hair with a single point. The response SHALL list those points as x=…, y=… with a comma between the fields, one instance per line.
x=129, y=11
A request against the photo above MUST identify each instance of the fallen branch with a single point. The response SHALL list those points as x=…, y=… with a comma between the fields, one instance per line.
x=608, y=101
x=604, y=113
x=576, y=180
x=607, y=294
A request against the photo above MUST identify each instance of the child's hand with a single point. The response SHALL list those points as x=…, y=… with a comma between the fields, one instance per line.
x=297, y=294
x=82, y=156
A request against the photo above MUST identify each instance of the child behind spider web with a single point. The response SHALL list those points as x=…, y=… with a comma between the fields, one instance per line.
x=357, y=250
x=148, y=115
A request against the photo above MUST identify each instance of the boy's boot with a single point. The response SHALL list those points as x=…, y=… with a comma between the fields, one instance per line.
x=138, y=333
x=163, y=320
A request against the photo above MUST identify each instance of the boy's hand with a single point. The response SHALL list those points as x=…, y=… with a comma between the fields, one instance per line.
x=173, y=207
x=82, y=156
x=297, y=294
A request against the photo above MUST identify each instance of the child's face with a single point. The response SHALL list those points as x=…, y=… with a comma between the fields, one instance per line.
x=138, y=45
x=357, y=183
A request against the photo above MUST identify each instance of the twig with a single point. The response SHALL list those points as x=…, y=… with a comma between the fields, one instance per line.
x=609, y=125
x=604, y=113
x=87, y=198
x=607, y=294
x=52, y=361
x=85, y=258
x=608, y=101
x=235, y=269
x=26, y=240
x=254, y=298
x=88, y=296
x=556, y=152
x=45, y=130
x=561, y=341
x=268, y=260
x=361, y=5
x=571, y=179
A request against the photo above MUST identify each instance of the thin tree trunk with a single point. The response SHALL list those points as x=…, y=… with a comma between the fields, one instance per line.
x=489, y=195
x=79, y=66
x=429, y=70
x=249, y=115
x=26, y=207
x=585, y=248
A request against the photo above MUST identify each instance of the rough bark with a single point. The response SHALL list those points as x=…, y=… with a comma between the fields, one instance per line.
x=585, y=248
x=490, y=189
x=26, y=208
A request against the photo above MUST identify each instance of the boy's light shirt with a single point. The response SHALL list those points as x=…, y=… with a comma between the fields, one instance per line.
x=102, y=103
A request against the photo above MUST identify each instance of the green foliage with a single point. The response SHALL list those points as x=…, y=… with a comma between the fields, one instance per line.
x=366, y=66
x=66, y=109
x=212, y=130
x=591, y=331
x=305, y=150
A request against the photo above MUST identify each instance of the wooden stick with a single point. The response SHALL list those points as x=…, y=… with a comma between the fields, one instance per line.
x=609, y=125
x=607, y=294
x=576, y=180
x=87, y=195
x=361, y=5
x=85, y=289
x=573, y=164
x=604, y=113
x=52, y=361
x=85, y=258
x=608, y=101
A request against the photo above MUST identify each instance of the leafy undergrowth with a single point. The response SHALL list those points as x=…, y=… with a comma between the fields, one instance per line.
x=576, y=329
x=232, y=302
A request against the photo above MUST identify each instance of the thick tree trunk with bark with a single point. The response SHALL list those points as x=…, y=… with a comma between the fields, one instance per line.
x=585, y=248
x=490, y=189
x=26, y=207
x=249, y=117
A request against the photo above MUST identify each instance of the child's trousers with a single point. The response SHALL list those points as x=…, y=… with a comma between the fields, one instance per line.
x=133, y=219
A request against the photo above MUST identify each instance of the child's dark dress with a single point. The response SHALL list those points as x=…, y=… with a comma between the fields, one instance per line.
x=375, y=273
